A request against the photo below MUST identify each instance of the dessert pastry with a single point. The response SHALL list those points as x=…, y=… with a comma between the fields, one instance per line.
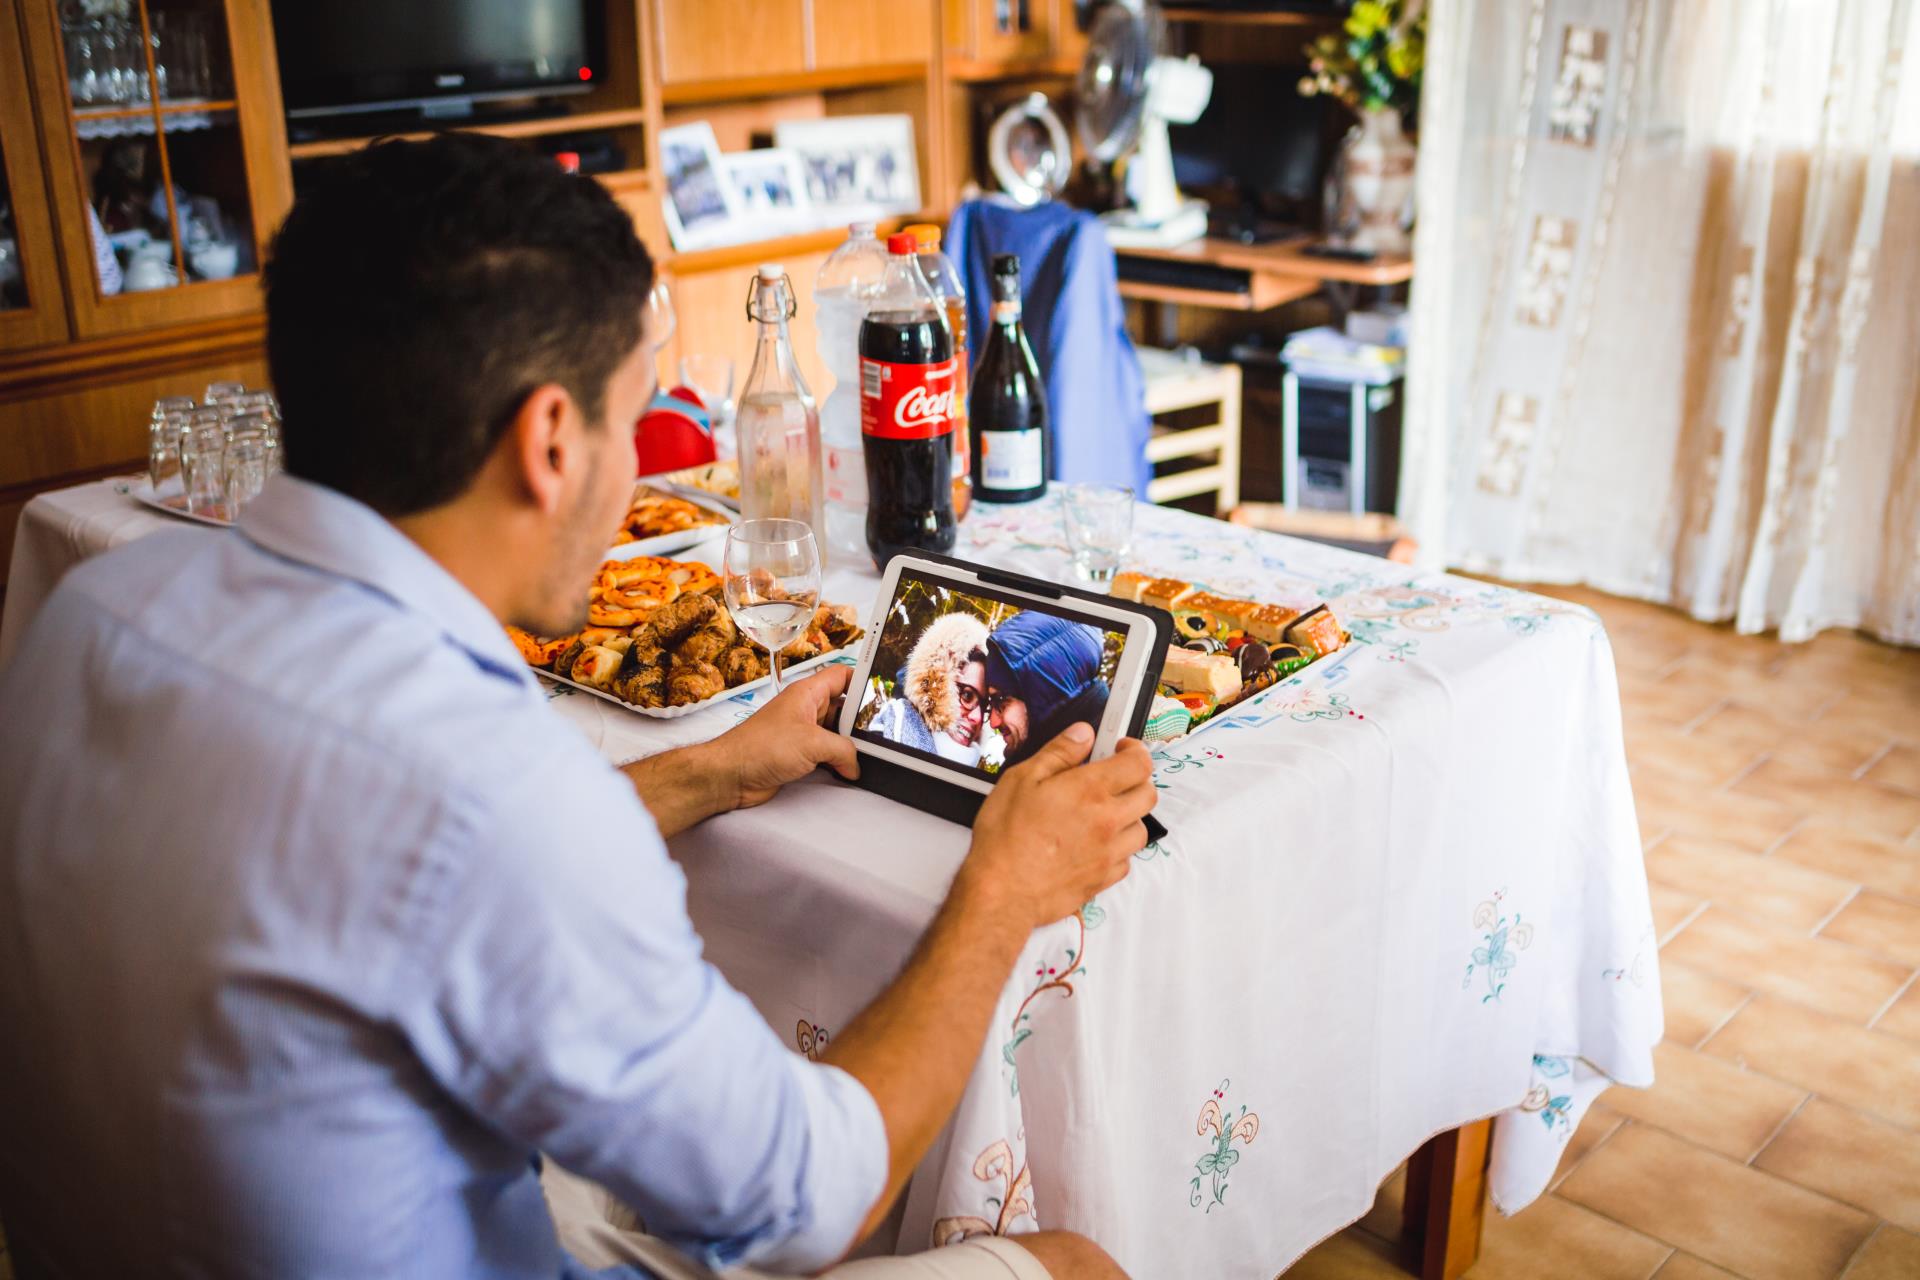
x=1164, y=593
x=1288, y=658
x=1318, y=630
x=536, y=651
x=840, y=623
x=741, y=664
x=1126, y=585
x=642, y=678
x=693, y=682
x=596, y=666
x=1167, y=719
x=1217, y=675
x=654, y=513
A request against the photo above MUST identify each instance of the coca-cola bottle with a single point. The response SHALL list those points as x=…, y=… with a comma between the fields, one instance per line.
x=944, y=279
x=906, y=412
x=1009, y=402
x=779, y=428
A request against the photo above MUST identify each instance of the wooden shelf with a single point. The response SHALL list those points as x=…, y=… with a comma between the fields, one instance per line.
x=1283, y=257
x=1260, y=296
x=701, y=91
x=975, y=71
x=85, y=114
x=1231, y=17
x=694, y=261
x=1276, y=273
x=618, y=118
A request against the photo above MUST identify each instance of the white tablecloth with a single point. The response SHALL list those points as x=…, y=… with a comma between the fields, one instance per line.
x=1401, y=892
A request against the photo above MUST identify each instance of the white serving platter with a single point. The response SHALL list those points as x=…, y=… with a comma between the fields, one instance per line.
x=725, y=695
x=666, y=544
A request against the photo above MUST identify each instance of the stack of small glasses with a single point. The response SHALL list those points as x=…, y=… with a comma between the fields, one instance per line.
x=216, y=454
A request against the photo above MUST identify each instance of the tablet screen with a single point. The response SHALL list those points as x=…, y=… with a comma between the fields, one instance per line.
x=977, y=681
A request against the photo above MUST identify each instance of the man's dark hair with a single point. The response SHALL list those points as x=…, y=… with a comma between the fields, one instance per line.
x=419, y=291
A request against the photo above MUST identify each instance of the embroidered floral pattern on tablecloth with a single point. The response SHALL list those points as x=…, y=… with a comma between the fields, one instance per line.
x=1049, y=975
x=1637, y=970
x=1552, y=1107
x=1015, y=1201
x=1209, y=1185
x=1502, y=938
x=812, y=1040
x=1172, y=763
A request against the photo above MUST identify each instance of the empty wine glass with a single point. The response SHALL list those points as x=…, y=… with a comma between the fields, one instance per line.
x=1099, y=528
x=711, y=378
x=661, y=320
x=772, y=572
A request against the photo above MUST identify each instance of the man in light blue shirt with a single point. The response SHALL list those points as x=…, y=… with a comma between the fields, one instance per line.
x=316, y=925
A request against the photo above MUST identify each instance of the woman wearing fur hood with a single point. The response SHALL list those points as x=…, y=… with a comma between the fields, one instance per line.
x=940, y=701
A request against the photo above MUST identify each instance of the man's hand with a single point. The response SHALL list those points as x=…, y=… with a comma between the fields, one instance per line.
x=784, y=741
x=1056, y=832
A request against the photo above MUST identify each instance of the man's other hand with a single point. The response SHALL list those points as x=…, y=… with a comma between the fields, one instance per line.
x=785, y=740
x=1055, y=831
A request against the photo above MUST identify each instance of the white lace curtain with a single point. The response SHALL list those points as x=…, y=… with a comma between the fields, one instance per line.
x=1667, y=314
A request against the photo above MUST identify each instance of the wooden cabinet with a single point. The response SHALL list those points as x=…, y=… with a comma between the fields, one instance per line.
x=162, y=136
x=1005, y=31
x=759, y=44
x=870, y=33
x=704, y=40
x=32, y=304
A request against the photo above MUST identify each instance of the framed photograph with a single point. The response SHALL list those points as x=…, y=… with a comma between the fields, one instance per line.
x=770, y=191
x=856, y=166
x=699, y=205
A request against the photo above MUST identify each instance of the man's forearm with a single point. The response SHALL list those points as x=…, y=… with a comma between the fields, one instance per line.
x=915, y=1046
x=683, y=786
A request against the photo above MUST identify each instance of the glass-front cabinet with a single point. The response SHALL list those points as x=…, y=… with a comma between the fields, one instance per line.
x=32, y=305
x=161, y=133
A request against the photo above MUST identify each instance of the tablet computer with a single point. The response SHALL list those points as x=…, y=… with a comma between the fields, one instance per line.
x=968, y=670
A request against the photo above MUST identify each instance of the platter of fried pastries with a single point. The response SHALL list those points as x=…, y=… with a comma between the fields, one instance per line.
x=659, y=640
x=661, y=522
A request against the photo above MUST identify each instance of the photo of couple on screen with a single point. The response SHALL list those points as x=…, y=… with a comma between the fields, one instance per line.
x=982, y=683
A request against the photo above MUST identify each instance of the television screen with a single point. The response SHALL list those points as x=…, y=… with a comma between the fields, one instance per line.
x=377, y=55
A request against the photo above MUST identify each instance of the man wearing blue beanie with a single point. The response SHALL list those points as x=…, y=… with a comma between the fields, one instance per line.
x=1043, y=674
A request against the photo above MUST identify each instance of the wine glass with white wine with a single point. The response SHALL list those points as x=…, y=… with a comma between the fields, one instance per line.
x=772, y=572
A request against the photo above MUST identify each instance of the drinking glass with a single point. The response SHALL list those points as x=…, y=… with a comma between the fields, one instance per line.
x=261, y=402
x=711, y=378
x=220, y=392
x=247, y=460
x=1099, y=527
x=772, y=573
x=203, y=449
x=167, y=406
x=661, y=320
x=163, y=452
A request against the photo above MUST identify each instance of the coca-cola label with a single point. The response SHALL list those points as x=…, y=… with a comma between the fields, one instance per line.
x=906, y=401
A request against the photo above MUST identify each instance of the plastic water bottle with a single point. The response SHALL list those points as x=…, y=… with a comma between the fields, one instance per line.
x=846, y=284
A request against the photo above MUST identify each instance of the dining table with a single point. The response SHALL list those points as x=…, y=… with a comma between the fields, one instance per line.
x=1400, y=911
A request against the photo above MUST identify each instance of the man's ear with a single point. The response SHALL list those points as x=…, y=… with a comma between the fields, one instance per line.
x=545, y=446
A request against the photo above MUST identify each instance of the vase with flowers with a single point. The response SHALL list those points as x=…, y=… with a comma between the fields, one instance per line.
x=1373, y=65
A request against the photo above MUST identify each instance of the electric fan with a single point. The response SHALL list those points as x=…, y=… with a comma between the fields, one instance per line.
x=1127, y=92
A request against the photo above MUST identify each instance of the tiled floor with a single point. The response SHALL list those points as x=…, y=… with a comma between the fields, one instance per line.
x=1779, y=796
